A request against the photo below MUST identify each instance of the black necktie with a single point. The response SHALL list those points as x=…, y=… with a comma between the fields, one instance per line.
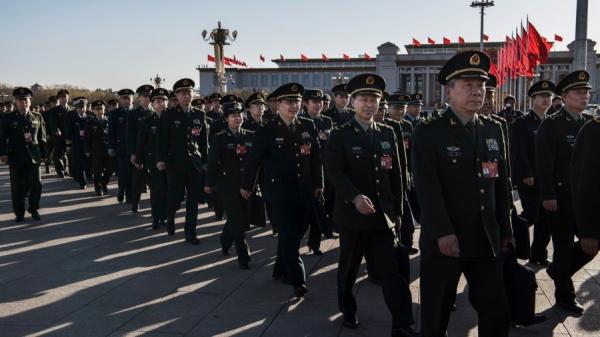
x=471, y=132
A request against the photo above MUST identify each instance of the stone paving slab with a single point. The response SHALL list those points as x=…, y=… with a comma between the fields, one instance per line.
x=91, y=268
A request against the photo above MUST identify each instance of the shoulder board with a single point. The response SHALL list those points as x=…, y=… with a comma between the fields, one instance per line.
x=596, y=119
x=305, y=119
x=430, y=120
x=327, y=118
x=246, y=131
x=500, y=119
x=35, y=113
x=221, y=132
x=384, y=126
x=587, y=115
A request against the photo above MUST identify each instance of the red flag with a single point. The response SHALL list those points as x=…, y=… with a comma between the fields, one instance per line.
x=485, y=37
x=558, y=38
x=367, y=56
x=494, y=69
x=281, y=58
x=538, y=42
x=345, y=57
x=446, y=41
x=416, y=43
x=324, y=57
x=430, y=41
x=226, y=61
x=244, y=64
x=461, y=40
x=303, y=57
x=211, y=58
x=262, y=58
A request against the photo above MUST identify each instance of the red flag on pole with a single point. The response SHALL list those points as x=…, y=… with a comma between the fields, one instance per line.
x=430, y=40
x=262, y=58
x=416, y=42
x=367, y=56
x=446, y=41
x=485, y=37
x=281, y=58
x=345, y=57
x=303, y=57
x=324, y=57
x=211, y=58
x=558, y=38
x=538, y=42
x=461, y=41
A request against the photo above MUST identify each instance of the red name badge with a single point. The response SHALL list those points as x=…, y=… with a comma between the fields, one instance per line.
x=322, y=136
x=27, y=137
x=240, y=149
x=195, y=132
x=305, y=149
x=489, y=169
x=386, y=162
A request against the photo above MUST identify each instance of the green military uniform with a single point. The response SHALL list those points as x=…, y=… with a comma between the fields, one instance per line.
x=462, y=183
x=21, y=138
x=339, y=116
x=364, y=160
x=226, y=158
x=139, y=177
x=553, y=149
x=96, y=144
x=183, y=146
x=56, y=126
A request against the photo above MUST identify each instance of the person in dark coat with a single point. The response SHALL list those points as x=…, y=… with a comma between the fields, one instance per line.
x=117, y=144
x=139, y=176
x=96, y=148
x=56, y=125
x=462, y=182
x=75, y=139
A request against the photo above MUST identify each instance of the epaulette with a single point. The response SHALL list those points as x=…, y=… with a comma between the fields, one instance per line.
x=501, y=119
x=596, y=119
x=305, y=119
x=221, y=132
x=246, y=131
x=587, y=114
x=384, y=126
x=347, y=125
x=430, y=120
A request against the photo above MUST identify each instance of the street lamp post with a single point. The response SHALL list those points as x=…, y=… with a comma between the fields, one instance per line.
x=219, y=38
x=482, y=4
x=339, y=78
x=157, y=81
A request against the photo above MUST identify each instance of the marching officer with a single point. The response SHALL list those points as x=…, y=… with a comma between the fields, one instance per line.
x=585, y=184
x=49, y=150
x=117, y=143
x=214, y=111
x=413, y=110
x=228, y=151
x=96, y=148
x=553, y=149
x=56, y=121
x=139, y=176
x=326, y=101
x=145, y=155
x=319, y=221
x=363, y=165
x=182, y=151
x=288, y=151
x=112, y=104
x=509, y=113
x=256, y=105
x=523, y=135
x=199, y=103
x=556, y=105
x=81, y=168
x=173, y=103
x=22, y=133
x=271, y=108
x=462, y=182
x=339, y=112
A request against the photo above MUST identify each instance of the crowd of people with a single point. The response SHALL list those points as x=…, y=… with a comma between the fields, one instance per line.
x=369, y=173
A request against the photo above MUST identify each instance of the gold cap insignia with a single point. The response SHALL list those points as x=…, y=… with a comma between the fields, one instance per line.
x=582, y=76
x=21, y=91
x=258, y=96
x=294, y=88
x=474, y=60
x=370, y=80
x=545, y=85
x=318, y=94
x=185, y=82
x=418, y=96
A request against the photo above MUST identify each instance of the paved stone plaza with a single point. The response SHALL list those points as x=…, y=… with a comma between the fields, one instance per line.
x=91, y=268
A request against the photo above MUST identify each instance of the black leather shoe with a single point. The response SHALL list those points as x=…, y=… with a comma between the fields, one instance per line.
x=571, y=306
x=300, y=290
x=537, y=319
x=20, y=218
x=170, y=228
x=134, y=208
x=315, y=251
x=120, y=198
x=540, y=262
x=155, y=224
x=405, y=331
x=192, y=240
x=412, y=251
x=350, y=321
x=60, y=174
x=550, y=271
x=35, y=215
x=453, y=307
x=244, y=266
x=225, y=252
x=104, y=189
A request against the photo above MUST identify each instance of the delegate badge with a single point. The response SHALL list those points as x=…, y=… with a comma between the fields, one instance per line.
x=489, y=169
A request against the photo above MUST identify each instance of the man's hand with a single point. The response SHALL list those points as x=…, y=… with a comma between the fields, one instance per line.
x=112, y=153
x=161, y=166
x=208, y=189
x=245, y=193
x=589, y=246
x=363, y=205
x=507, y=243
x=4, y=159
x=529, y=181
x=550, y=205
x=132, y=159
x=449, y=245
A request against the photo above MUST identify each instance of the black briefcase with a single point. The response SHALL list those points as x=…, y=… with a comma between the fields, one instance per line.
x=256, y=211
x=521, y=234
x=520, y=285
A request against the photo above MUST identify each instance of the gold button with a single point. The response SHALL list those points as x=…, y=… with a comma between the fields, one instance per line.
x=559, y=183
x=378, y=194
x=357, y=157
x=298, y=164
x=297, y=155
x=272, y=180
x=454, y=160
x=375, y=156
x=377, y=169
x=482, y=191
x=479, y=175
x=376, y=181
x=478, y=160
x=298, y=174
x=295, y=144
x=483, y=208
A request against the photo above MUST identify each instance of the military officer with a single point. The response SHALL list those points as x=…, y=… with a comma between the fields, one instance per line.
x=173, y=103
x=117, y=143
x=556, y=105
x=318, y=223
x=228, y=151
x=214, y=111
x=462, y=182
x=326, y=101
x=96, y=148
x=112, y=104
x=523, y=136
x=22, y=132
x=288, y=151
x=146, y=147
x=199, y=103
x=414, y=109
x=139, y=176
x=81, y=168
x=50, y=104
x=271, y=108
x=56, y=124
x=509, y=113
x=340, y=113
x=363, y=165
x=182, y=151
x=585, y=186
x=553, y=148
x=256, y=105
